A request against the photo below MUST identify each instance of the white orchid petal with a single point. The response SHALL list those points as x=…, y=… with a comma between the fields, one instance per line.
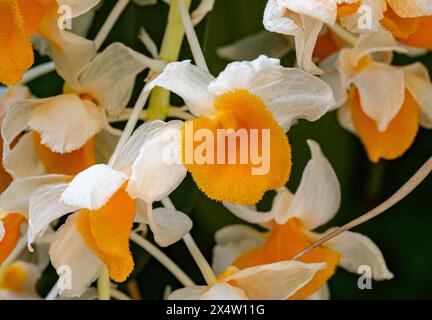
x=92, y=188
x=249, y=213
x=23, y=160
x=66, y=134
x=79, y=7
x=188, y=293
x=110, y=77
x=168, y=226
x=15, y=199
x=325, y=11
x=345, y=119
x=224, y=291
x=231, y=242
x=158, y=170
x=69, y=250
x=318, y=197
x=382, y=93
x=2, y=231
x=190, y=83
x=10, y=96
x=276, y=281
x=333, y=79
x=45, y=207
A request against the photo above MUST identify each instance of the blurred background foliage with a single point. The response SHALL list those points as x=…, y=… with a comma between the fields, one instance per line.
x=404, y=233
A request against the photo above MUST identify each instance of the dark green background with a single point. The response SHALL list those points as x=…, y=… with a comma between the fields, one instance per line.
x=404, y=233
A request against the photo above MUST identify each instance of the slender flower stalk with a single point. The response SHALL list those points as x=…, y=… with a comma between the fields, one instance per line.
x=162, y=258
x=192, y=36
x=159, y=104
x=405, y=190
x=54, y=292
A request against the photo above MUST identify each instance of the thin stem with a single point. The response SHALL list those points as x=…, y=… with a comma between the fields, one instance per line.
x=118, y=295
x=343, y=34
x=405, y=190
x=163, y=259
x=159, y=104
x=15, y=253
x=37, y=72
x=103, y=284
x=109, y=22
x=200, y=260
x=54, y=292
x=130, y=125
x=192, y=36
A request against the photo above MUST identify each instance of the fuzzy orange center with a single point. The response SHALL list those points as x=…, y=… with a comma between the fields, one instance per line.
x=106, y=231
x=13, y=278
x=286, y=241
x=347, y=9
x=235, y=181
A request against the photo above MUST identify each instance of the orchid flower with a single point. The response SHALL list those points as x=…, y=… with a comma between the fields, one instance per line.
x=292, y=220
x=259, y=95
x=383, y=105
x=66, y=130
x=105, y=201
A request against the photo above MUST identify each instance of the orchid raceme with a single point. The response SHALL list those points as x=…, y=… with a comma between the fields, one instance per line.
x=259, y=96
x=21, y=20
x=106, y=201
x=294, y=218
x=62, y=144
x=386, y=124
x=276, y=281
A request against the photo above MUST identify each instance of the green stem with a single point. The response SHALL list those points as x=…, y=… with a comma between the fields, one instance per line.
x=159, y=104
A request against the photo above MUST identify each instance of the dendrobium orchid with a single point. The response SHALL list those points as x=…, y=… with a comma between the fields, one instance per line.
x=258, y=97
x=63, y=129
x=292, y=220
x=106, y=200
x=409, y=21
x=275, y=281
x=383, y=105
x=23, y=18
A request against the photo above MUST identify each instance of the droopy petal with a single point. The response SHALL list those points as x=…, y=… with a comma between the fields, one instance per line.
x=398, y=137
x=411, y=8
x=115, y=67
x=45, y=207
x=333, y=79
x=276, y=281
x=168, y=226
x=382, y=93
x=190, y=83
x=268, y=43
x=357, y=250
x=16, y=196
x=106, y=230
x=12, y=227
x=10, y=96
x=317, y=199
x=66, y=47
x=231, y=242
x=66, y=134
x=157, y=171
x=418, y=83
x=69, y=249
x=92, y=188
x=250, y=214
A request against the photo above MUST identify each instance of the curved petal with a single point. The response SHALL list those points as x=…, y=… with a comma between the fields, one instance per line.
x=23, y=160
x=382, y=92
x=15, y=199
x=10, y=96
x=45, y=207
x=231, y=242
x=325, y=11
x=357, y=250
x=79, y=7
x=345, y=120
x=190, y=83
x=333, y=79
x=249, y=213
x=115, y=67
x=66, y=134
x=418, y=83
x=276, y=281
x=168, y=226
x=92, y=188
x=223, y=291
x=188, y=293
x=318, y=197
x=69, y=252
x=158, y=170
